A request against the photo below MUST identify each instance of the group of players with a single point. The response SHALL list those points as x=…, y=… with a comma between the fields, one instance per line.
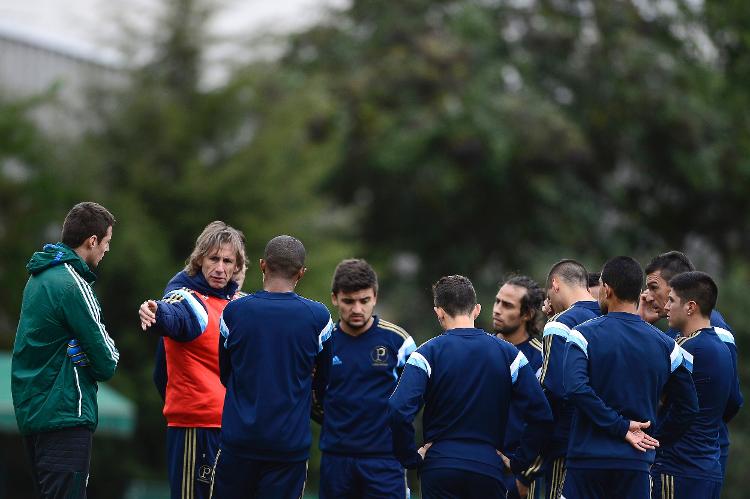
x=596, y=404
x=601, y=404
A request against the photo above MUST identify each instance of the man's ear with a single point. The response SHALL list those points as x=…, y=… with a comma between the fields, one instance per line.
x=477, y=310
x=262, y=265
x=301, y=273
x=692, y=307
x=334, y=299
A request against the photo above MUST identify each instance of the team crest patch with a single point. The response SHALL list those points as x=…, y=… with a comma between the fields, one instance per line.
x=204, y=474
x=379, y=356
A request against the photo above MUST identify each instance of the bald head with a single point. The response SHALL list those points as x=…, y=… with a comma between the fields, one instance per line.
x=284, y=256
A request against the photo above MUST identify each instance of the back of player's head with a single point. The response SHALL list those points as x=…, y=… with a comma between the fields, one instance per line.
x=594, y=279
x=455, y=294
x=353, y=275
x=670, y=264
x=85, y=220
x=625, y=276
x=284, y=256
x=214, y=236
x=570, y=272
x=698, y=287
x=531, y=302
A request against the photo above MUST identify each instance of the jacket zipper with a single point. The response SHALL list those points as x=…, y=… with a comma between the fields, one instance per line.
x=78, y=386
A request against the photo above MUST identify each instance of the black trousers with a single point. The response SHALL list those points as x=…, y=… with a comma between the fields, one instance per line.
x=60, y=462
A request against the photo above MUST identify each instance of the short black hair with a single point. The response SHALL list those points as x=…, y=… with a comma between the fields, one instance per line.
x=455, y=294
x=625, y=276
x=670, y=264
x=84, y=220
x=569, y=271
x=354, y=274
x=531, y=302
x=698, y=287
x=284, y=256
x=594, y=279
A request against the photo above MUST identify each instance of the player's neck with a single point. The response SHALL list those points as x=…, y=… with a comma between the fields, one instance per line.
x=693, y=324
x=516, y=337
x=278, y=285
x=345, y=327
x=622, y=306
x=578, y=294
x=458, y=322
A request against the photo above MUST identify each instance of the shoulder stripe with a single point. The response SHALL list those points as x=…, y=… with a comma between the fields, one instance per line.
x=325, y=334
x=393, y=327
x=516, y=365
x=417, y=360
x=407, y=348
x=725, y=335
x=195, y=306
x=577, y=339
x=93, y=307
x=677, y=358
x=687, y=359
x=534, y=342
x=558, y=328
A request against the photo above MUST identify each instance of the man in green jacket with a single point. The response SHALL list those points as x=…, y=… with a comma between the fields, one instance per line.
x=61, y=350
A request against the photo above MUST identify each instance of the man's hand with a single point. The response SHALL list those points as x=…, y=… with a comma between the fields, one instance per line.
x=645, y=310
x=423, y=450
x=523, y=490
x=547, y=308
x=76, y=353
x=147, y=313
x=639, y=439
x=506, y=461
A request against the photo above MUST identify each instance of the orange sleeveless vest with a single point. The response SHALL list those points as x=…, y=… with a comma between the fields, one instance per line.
x=195, y=395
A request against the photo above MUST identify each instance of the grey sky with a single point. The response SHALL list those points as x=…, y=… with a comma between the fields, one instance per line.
x=88, y=26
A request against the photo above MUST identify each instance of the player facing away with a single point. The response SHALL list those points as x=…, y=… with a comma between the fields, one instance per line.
x=369, y=354
x=187, y=318
x=616, y=369
x=690, y=467
x=272, y=342
x=659, y=272
x=567, y=291
x=467, y=381
x=515, y=318
x=61, y=351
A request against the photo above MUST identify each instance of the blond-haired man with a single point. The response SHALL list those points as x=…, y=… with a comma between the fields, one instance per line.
x=188, y=320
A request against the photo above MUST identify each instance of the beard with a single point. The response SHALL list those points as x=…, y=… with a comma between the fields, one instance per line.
x=507, y=330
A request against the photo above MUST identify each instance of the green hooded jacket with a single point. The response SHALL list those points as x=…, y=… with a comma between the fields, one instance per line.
x=49, y=391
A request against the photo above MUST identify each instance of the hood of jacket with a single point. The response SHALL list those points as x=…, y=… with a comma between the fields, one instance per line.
x=53, y=255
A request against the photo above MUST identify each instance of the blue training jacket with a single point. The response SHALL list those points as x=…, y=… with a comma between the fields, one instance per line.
x=467, y=380
x=617, y=366
x=724, y=331
x=364, y=373
x=271, y=344
x=696, y=454
x=555, y=335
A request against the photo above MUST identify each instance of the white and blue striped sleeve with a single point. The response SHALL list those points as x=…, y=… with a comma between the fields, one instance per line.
x=516, y=365
x=406, y=349
x=419, y=361
x=679, y=356
x=576, y=338
x=325, y=334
